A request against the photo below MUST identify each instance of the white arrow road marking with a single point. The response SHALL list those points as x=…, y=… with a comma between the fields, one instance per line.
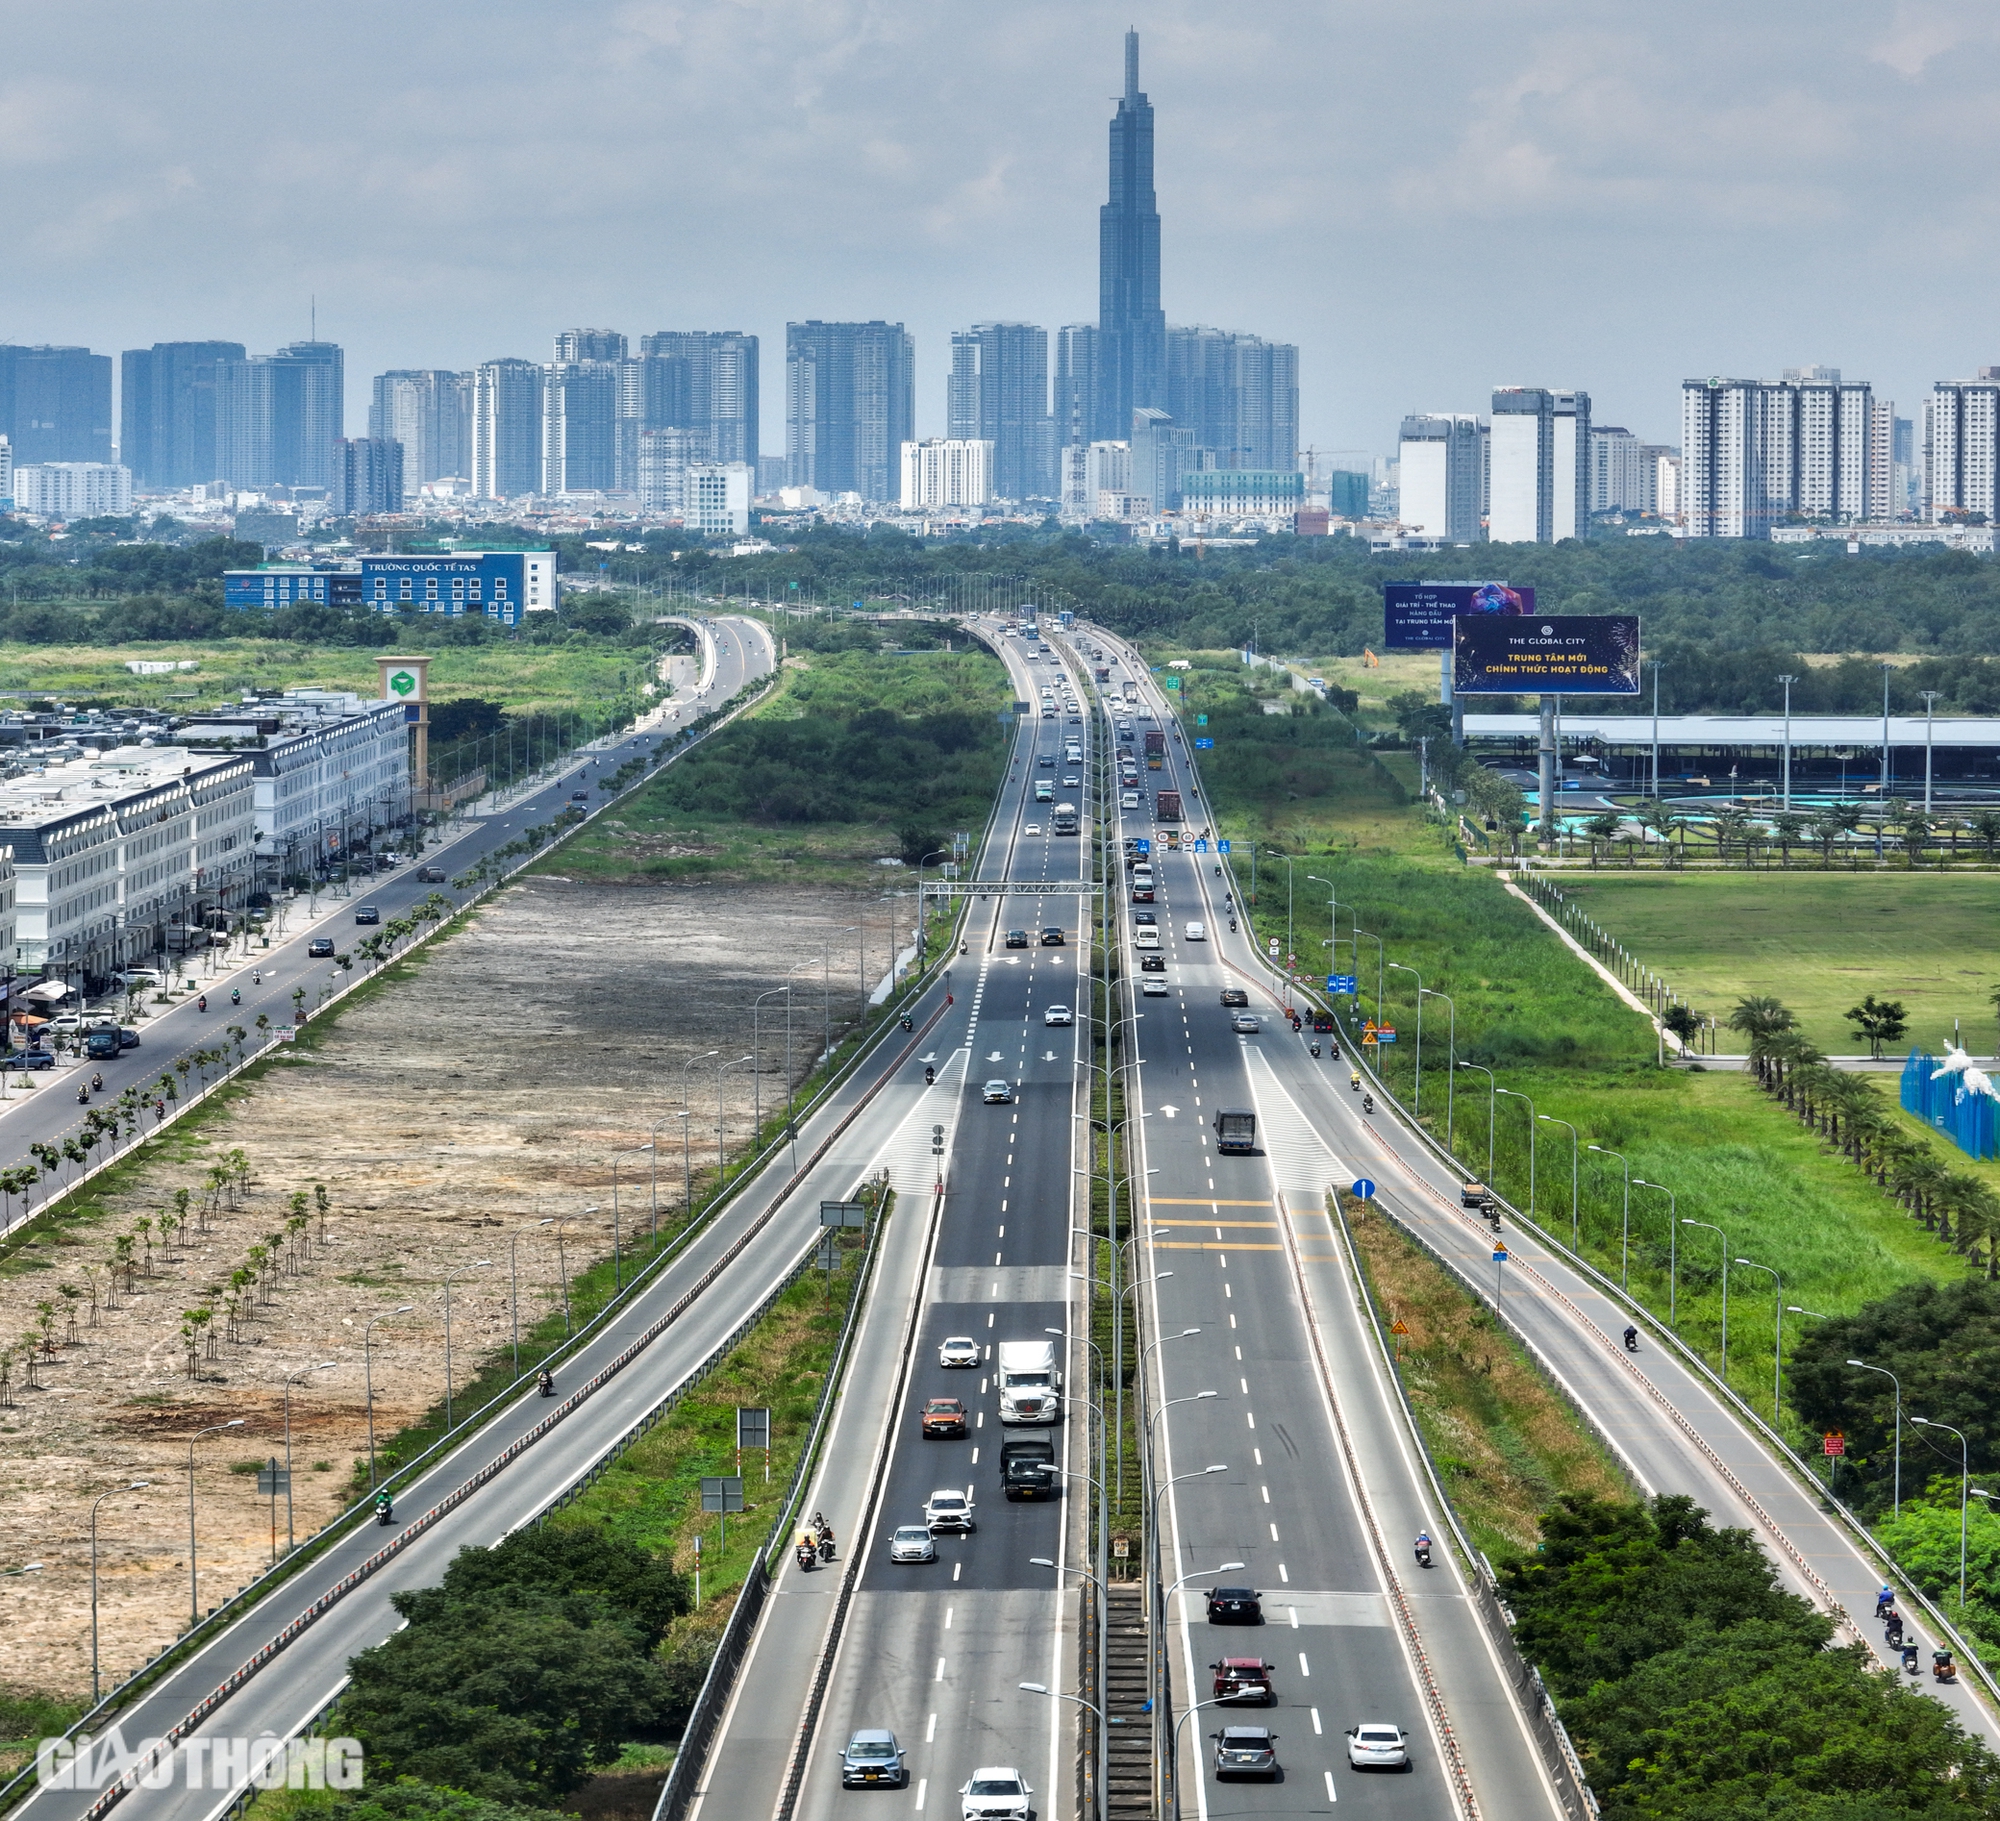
x=992, y=1055
x=1170, y=1111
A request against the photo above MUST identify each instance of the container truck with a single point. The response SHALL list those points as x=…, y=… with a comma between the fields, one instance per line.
x=1030, y=1386
x=1156, y=748
x=1169, y=802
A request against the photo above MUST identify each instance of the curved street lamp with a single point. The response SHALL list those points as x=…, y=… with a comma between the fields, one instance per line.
x=135, y=1486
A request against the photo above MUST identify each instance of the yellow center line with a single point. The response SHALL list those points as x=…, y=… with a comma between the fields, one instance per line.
x=1215, y=1223
x=1213, y=1245
x=1202, y=1201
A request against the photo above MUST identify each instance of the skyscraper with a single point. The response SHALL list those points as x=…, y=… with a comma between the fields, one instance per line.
x=590, y=344
x=368, y=476
x=580, y=426
x=1238, y=394
x=1132, y=327
x=704, y=381
x=999, y=393
x=1539, y=480
x=1443, y=476
x=506, y=429
x=166, y=412
x=1759, y=452
x=429, y=411
x=850, y=406
x=308, y=412
x=1075, y=411
x=55, y=404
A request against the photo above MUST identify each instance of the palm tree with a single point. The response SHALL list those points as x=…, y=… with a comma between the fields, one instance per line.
x=1986, y=825
x=1788, y=826
x=1601, y=827
x=1760, y=1019
x=1730, y=823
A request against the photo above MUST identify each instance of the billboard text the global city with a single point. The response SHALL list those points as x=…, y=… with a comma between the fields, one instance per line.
x=1578, y=654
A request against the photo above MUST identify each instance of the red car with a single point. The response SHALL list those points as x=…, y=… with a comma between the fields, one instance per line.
x=944, y=1416
x=1244, y=1679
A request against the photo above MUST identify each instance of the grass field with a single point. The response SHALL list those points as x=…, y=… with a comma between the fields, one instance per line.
x=1818, y=941
x=522, y=678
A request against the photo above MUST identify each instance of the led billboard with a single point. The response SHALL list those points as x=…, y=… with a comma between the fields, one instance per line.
x=1574, y=654
x=1417, y=616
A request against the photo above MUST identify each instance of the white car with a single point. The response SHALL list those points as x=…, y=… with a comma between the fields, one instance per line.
x=1376, y=1745
x=958, y=1350
x=1128, y=799
x=1146, y=937
x=997, y=1092
x=1196, y=932
x=1032, y=828
x=949, y=1508
x=996, y=1792
x=912, y=1543
x=1058, y=1014
x=1153, y=987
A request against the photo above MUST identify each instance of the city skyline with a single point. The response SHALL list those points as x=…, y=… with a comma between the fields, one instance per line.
x=1622, y=203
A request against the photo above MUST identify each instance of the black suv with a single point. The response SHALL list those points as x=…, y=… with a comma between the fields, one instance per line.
x=1052, y=937
x=1234, y=1606
x=1235, y=995
x=1017, y=938
x=367, y=913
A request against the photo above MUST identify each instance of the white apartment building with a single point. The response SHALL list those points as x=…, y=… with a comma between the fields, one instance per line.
x=73, y=490
x=947, y=471
x=1538, y=487
x=716, y=500
x=115, y=855
x=1627, y=475
x=664, y=456
x=1962, y=448
x=6, y=475
x=1757, y=453
x=329, y=769
x=1443, y=466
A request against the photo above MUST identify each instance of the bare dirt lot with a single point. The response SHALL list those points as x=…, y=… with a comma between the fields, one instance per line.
x=489, y=1085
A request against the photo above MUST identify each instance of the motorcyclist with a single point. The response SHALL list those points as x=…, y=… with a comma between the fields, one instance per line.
x=1315, y=1047
x=96, y=1080
x=257, y=978
x=83, y=1093
x=1631, y=1340
x=1884, y=1599
x=1892, y=1629
x=545, y=1382
x=1354, y=1079
x=385, y=1510
x=907, y=1025
x=1423, y=1549
x=201, y=1003
x=235, y=995
x=930, y=1074
x=1368, y=1103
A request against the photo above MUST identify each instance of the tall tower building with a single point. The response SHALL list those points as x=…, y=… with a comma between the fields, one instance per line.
x=368, y=476
x=55, y=404
x=999, y=393
x=506, y=429
x=590, y=344
x=166, y=412
x=850, y=406
x=1132, y=327
x=308, y=412
x=1539, y=480
x=1443, y=464
x=1238, y=394
x=1962, y=420
x=1761, y=452
x=704, y=381
x=580, y=426
x=429, y=411
x=1075, y=405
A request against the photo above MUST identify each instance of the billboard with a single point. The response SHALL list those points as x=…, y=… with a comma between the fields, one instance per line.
x=1417, y=616
x=1572, y=654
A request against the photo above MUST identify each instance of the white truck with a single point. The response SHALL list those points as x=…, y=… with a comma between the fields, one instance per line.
x=1030, y=1386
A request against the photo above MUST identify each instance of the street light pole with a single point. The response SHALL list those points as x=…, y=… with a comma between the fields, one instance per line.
x=514, y=1288
x=476, y=1265
x=135, y=1486
x=1930, y=729
x=194, y=1595
x=1964, y=1480
x=1381, y=956
x=617, y=1260
x=1724, y=1237
x=1785, y=797
x=1512, y=1095
x=1396, y=967
x=653, y=1178
x=757, y=1053
x=687, y=1123
x=1450, y=1052
x=1625, y=1230
x=1492, y=1093
x=1898, y=1383
x=368, y=1376
x=1673, y=1250
x=721, y=1155
x=1778, y=1340
x=325, y=1365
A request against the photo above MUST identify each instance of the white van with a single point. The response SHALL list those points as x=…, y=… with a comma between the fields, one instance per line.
x=1146, y=936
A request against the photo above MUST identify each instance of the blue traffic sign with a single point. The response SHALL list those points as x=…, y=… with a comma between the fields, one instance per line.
x=1200, y=844
x=1204, y=744
x=1222, y=847
x=1499, y=1255
x=1361, y=1189
x=1341, y=983
x=1142, y=846
x=1385, y=1036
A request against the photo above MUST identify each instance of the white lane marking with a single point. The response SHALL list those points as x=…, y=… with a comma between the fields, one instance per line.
x=1284, y=1575
x=1259, y=1453
x=1226, y=1291
x=1250, y=1417
x=1274, y=1533
x=1305, y=1668
x=1244, y=1384
x=1232, y=1318
x=930, y=1730
x=1239, y=1354
x=955, y=1567
x=1294, y=1611
x=949, y=1610
x=975, y=1457
x=1267, y=1494
x=1317, y=1728
x=1330, y=1796
x=939, y=1677
x=924, y=1783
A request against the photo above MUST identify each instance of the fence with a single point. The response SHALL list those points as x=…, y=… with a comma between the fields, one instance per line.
x=1945, y=1100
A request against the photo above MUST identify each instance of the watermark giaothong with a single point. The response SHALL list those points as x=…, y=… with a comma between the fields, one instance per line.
x=222, y=1763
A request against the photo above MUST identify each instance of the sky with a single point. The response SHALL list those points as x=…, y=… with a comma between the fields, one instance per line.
x=1431, y=198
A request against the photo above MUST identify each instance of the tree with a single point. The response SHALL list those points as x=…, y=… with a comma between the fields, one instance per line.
x=1789, y=827
x=1879, y=1020
x=1601, y=827
x=1986, y=825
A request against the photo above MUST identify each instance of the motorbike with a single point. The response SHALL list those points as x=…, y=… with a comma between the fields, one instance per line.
x=96, y=1080
x=806, y=1556
x=1631, y=1340
x=1315, y=1049
x=1884, y=1600
x=826, y=1545
x=385, y=1512
x=235, y=995
x=1368, y=1103
x=83, y=1095
x=1423, y=1552
x=257, y=979
x=546, y=1384
x=1892, y=1630
x=1943, y=1669
x=930, y=1074
x=1354, y=1080
x=201, y=1003
x=1910, y=1659
x=1232, y=926
x=907, y=1025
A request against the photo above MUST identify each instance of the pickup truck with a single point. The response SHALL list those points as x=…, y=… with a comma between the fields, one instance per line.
x=1028, y=1470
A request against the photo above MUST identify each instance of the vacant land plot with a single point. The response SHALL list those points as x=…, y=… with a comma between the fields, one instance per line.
x=1818, y=941
x=488, y=1089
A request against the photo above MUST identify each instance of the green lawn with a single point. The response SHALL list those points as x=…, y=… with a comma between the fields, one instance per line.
x=1818, y=941
x=523, y=678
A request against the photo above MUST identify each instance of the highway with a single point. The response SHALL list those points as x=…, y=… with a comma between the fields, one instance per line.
x=1673, y=1430
x=934, y=1651
x=736, y=651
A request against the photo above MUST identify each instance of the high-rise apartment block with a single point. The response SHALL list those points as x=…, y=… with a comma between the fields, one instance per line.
x=999, y=393
x=166, y=412
x=589, y=344
x=6, y=475
x=1131, y=325
x=1442, y=482
x=580, y=425
x=1962, y=449
x=1238, y=394
x=506, y=429
x=277, y=417
x=55, y=403
x=1075, y=402
x=704, y=381
x=1756, y=453
x=1538, y=485
x=947, y=471
x=850, y=406
x=429, y=411
x=368, y=476
x=1627, y=475
x=664, y=459
x=717, y=500
x=72, y=490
